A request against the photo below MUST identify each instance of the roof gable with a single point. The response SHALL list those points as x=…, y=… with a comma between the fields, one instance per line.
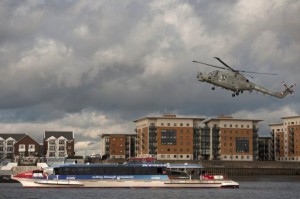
x=17, y=137
x=57, y=134
x=27, y=137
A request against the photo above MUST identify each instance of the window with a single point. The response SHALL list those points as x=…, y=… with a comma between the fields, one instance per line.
x=61, y=141
x=61, y=154
x=61, y=148
x=10, y=143
x=52, y=154
x=242, y=144
x=22, y=147
x=10, y=149
x=31, y=147
x=168, y=137
x=51, y=142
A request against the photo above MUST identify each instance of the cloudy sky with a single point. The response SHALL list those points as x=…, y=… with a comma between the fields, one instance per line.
x=95, y=66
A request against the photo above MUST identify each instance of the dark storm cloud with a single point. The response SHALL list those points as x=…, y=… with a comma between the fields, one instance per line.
x=115, y=61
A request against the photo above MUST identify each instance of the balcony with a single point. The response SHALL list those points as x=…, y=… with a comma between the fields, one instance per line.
x=152, y=127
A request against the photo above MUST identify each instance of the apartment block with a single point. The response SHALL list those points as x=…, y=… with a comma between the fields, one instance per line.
x=167, y=137
x=7, y=142
x=185, y=138
x=58, y=144
x=18, y=146
x=228, y=138
x=27, y=147
x=286, y=139
x=118, y=146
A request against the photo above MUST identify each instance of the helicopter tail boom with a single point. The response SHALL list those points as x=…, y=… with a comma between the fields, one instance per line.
x=288, y=90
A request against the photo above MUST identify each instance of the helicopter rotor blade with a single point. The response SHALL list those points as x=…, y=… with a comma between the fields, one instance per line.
x=243, y=71
x=249, y=76
x=225, y=64
x=210, y=65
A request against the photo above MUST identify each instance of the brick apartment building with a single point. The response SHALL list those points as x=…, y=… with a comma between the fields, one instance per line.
x=185, y=138
x=286, y=139
x=18, y=146
x=58, y=144
x=119, y=146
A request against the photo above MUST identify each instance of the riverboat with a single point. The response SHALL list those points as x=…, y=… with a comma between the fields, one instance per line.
x=125, y=176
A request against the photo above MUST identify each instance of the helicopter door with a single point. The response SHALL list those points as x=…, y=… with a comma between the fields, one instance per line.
x=222, y=77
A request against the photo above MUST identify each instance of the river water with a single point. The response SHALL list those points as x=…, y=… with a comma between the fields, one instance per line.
x=252, y=187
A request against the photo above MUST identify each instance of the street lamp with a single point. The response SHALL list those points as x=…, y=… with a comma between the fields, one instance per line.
x=100, y=136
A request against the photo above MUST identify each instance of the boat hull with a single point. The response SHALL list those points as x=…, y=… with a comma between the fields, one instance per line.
x=54, y=183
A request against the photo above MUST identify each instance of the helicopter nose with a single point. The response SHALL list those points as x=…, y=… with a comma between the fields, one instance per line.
x=200, y=77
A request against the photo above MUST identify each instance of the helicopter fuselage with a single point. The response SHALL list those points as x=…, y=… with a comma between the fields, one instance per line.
x=235, y=82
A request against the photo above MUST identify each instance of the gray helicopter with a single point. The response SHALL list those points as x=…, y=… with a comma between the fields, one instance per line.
x=234, y=80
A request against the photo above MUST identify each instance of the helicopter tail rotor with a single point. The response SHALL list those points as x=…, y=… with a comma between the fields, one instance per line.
x=288, y=89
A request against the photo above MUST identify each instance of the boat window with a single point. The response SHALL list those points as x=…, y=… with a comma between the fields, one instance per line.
x=109, y=170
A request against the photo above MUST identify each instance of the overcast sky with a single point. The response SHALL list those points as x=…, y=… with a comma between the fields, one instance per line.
x=93, y=67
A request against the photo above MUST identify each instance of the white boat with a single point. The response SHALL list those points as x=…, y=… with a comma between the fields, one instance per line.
x=125, y=176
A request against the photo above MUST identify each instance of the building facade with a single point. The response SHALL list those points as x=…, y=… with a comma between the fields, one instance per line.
x=167, y=137
x=27, y=147
x=228, y=138
x=286, y=139
x=118, y=146
x=265, y=149
x=7, y=143
x=59, y=144
x=181, y=138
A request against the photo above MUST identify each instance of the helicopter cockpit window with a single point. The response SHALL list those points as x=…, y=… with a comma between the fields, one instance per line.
x=214, y=73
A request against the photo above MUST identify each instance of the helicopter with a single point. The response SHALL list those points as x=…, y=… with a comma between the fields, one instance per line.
x=234, y=80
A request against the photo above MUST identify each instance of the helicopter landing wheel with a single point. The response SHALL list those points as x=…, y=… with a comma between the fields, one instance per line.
x=233, y=95
x=213, y=88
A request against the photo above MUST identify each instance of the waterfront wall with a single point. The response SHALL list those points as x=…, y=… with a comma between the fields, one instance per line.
x=238, y=168
x=252, y=171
